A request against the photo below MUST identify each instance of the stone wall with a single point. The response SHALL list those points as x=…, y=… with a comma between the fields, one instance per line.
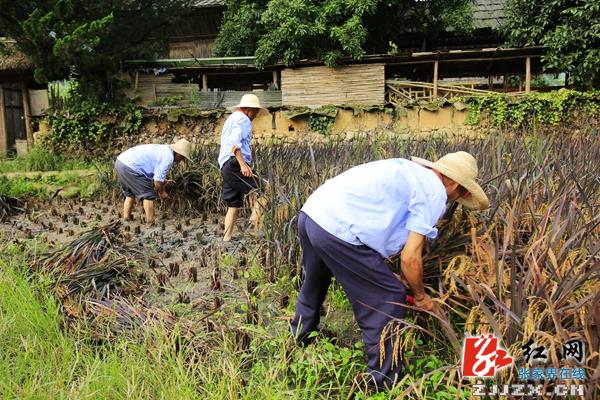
x=160, y=127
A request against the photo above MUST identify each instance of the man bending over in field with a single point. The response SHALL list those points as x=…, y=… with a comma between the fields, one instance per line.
x=142, y=172
x=354, y=221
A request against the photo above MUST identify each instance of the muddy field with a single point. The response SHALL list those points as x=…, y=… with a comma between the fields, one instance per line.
x=176, y=247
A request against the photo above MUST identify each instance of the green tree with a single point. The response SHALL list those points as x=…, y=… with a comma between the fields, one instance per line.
x=569, y=28
x=289, y=30
x=89, y=37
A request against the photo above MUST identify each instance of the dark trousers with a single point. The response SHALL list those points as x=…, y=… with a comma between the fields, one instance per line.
x=369, y=284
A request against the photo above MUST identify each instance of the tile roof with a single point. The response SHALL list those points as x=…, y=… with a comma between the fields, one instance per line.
x=488, y=13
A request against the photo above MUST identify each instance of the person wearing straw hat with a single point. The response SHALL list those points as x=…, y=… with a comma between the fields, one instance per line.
x=352, y=223
x=235, y=160
x=142, y=173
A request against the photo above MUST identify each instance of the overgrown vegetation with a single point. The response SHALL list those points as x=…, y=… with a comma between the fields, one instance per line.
x=289, y=30
x=545, y=108
x=90, y=127
x=569, y=30
x=41, y=159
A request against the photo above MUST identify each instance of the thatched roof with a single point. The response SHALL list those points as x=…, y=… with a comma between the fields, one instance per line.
x=13, y=59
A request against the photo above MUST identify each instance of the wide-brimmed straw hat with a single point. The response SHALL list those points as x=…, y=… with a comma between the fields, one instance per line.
x=461, y=167
x=249, y=101
x=182, y=147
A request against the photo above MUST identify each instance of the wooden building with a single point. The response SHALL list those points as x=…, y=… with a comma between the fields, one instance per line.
x=20, y=99
x=376, y=79
x=195, y=34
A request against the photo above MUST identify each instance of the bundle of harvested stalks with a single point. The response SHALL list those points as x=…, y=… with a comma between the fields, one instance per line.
x=90, y=248
x=99, y=276
x=9, y=206
x=97, y=261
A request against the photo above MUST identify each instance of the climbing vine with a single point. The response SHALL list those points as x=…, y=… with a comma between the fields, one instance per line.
x=89, y=127
x=550, y=107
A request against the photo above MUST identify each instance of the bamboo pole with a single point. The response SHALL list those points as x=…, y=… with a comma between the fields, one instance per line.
x=204, y=83
x=435, y=79
x=528, y=75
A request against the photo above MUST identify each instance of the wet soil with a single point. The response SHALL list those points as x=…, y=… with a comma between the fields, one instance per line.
x=185, y=251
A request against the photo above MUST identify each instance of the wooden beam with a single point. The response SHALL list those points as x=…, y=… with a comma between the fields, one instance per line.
x=137, y=79
x=275, y=79
x=435, y=79
x=27, y=114
x=204, y=83
x=528, y=75
x=3, y=134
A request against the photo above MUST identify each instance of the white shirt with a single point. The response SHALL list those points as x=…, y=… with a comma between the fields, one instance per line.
x=237, y=131
x=377, y=204
x=151, y=160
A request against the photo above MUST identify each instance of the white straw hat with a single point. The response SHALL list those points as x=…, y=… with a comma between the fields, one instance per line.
x=249, y=101
x=182, y=147
x=461, y=167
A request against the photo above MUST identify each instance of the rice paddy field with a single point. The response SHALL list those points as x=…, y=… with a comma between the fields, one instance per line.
x=92, y=307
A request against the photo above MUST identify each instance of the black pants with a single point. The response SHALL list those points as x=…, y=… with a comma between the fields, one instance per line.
x=236, y=185
x=369, y=284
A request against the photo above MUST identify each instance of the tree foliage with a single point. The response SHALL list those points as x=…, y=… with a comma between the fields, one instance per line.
x=569, y=28
x=90, y=37
x=289, y=30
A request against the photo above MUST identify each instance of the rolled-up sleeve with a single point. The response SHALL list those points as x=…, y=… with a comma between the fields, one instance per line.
x=161, y=169
x=423, y=215
x=234, y=138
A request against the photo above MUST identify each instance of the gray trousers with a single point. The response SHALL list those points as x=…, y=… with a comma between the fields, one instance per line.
x=369, y=284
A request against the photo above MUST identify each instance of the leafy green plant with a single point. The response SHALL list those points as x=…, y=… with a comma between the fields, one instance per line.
x=567, y=29
x=320, y=123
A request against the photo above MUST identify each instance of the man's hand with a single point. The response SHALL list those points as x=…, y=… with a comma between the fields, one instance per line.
x=425, y=302
x=246, y=170
x=164, y=195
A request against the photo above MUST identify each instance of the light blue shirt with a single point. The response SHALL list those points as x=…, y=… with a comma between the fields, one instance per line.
x=237, y=132
x=377, y=204
x=151, y=160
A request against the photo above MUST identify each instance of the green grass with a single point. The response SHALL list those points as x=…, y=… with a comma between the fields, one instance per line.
x=42, y=359
x=40, y=159
x=70, y=185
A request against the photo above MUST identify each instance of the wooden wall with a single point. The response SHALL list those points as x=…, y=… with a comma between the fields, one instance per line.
x=199, y=48
x=230, y=98
x=362, y=84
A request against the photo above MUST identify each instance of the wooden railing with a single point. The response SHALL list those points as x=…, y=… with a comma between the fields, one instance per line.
x=399, y=92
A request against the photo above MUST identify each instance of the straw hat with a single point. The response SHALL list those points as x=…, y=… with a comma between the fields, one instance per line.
x=249, y=101
x=461, y=167
x=182, y=147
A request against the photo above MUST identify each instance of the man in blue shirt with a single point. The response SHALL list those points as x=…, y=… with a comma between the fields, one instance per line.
x=354, y=221
x=142, y=173
x=235, y=159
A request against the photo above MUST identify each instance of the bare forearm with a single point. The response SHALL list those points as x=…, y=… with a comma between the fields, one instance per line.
x=239, y=157
x=159, y=186
x=413, y=272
